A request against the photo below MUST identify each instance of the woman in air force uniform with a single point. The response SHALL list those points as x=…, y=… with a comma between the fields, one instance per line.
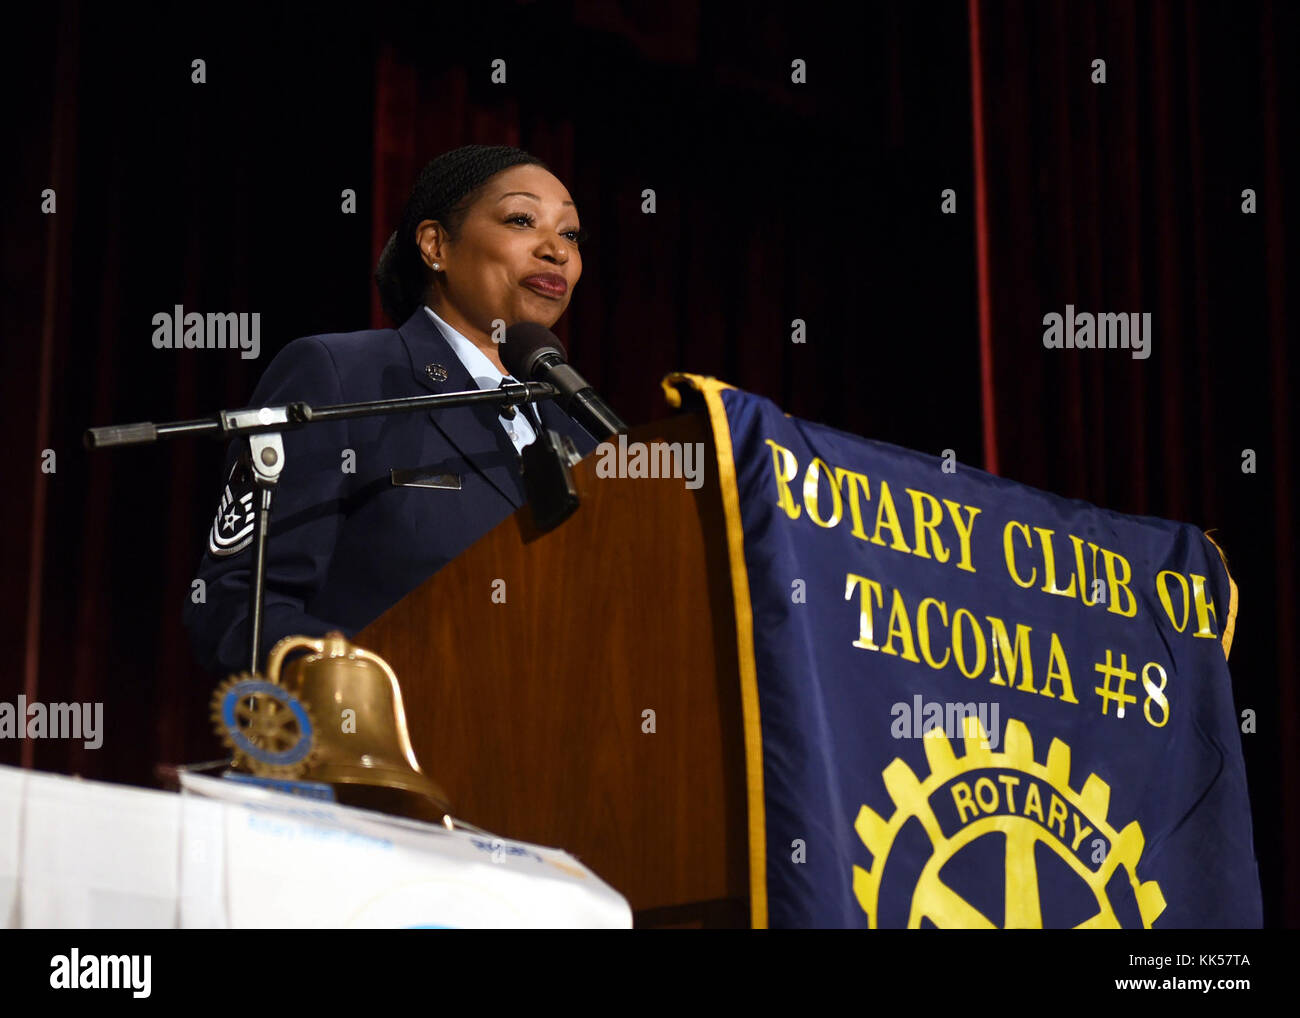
x=366, y=509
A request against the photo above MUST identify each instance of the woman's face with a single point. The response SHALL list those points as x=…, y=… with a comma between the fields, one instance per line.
x=522, y=227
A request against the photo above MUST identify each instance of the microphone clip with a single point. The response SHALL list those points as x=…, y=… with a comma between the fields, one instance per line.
x=508, y=410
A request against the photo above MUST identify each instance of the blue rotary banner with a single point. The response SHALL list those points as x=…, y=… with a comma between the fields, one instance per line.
x=970, y=703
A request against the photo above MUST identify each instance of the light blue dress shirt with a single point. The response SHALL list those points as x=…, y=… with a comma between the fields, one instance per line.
x=520, y=431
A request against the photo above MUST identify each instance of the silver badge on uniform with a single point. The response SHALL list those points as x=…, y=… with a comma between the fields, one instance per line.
x=232, y=528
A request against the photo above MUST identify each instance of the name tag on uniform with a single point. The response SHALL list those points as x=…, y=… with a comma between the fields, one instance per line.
x=425, y=479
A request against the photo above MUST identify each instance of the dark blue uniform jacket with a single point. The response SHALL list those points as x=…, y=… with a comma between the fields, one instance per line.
x=347, y=544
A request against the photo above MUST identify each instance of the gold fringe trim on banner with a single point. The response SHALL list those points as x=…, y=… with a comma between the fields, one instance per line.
x=1230, y=626
x=711, y=389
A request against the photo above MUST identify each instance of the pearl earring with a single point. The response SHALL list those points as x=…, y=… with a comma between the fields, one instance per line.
x=436, y=266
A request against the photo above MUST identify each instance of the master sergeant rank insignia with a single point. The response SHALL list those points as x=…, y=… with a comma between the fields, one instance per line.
x=232, y=528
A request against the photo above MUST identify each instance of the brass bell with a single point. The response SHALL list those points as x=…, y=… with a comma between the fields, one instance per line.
x=366, y=756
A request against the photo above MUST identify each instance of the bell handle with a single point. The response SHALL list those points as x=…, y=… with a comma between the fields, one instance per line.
x=282, y=647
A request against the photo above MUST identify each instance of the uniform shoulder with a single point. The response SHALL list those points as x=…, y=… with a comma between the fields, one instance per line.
x=348, y=352
x=330, y=363
x=346, y=347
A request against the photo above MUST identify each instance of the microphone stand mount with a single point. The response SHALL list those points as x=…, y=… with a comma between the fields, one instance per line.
x=260, y=429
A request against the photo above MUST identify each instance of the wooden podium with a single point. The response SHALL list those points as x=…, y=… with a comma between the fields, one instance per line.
x=529, y=707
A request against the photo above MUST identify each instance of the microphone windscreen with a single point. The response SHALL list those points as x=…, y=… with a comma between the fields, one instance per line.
x=524, y=343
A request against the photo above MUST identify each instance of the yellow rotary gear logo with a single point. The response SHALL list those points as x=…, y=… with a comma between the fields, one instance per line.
x=268, y=730
x=1030, y=804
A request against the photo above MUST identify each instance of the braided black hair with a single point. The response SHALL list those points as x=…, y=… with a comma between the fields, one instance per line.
x=445, y=190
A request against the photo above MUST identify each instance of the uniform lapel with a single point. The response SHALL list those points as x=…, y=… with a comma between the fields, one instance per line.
x=475, y=430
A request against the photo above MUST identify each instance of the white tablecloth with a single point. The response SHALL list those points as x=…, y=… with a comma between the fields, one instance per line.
x=84, y=854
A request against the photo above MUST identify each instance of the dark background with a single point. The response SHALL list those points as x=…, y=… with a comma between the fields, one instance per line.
x=775, y=201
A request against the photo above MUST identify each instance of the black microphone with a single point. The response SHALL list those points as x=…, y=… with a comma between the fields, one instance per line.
x=531, y=353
